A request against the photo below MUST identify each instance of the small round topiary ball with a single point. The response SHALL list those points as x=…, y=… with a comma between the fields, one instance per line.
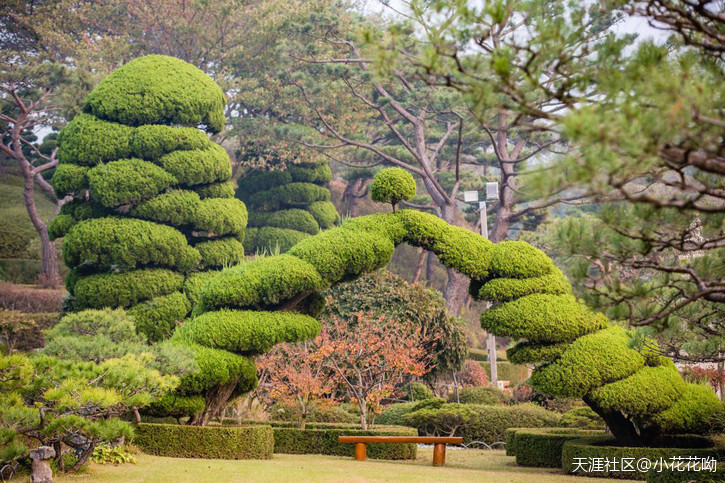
x=392, y=185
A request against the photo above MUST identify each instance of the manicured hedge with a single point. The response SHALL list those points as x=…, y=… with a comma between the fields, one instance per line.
x=268, y=239
x=224, y=189
x=324, y=213
x=215, y=442
x=480, y=395
x=294, y=219
x=318, y=173
x=88, y=140
x=154, y=140
x=123, y=289
x=393, y=415
x=542, y=446
x=221, y=216
x=127, y=181
x=198, y=166
x=220, y=252
x=605, y=447
x=157, y=318
x=321, y=438
x=288, y=195
x=69, y=179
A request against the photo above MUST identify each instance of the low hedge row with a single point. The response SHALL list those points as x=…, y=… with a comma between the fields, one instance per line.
x=603, y=447
x=321, y=438
x=216, y=442
x=541, y=447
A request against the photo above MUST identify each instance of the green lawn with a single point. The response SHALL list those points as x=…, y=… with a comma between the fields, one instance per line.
x=461, y=465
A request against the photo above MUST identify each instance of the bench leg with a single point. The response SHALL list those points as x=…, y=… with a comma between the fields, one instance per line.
x=360, y=452
x=439, y=454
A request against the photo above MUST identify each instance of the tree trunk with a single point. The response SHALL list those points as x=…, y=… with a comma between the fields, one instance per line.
x=456, y=289
x=623, y=429
x=216, y=400
x=422, y=257
x=363, y=414
x=355, y=190
x=49, y=276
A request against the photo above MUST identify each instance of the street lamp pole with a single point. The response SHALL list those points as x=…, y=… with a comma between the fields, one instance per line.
x=472, y=196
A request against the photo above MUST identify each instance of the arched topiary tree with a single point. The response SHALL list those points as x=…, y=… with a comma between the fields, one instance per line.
x=249, y=308
x=392, y=185
x=286, y=206
x=153, y=205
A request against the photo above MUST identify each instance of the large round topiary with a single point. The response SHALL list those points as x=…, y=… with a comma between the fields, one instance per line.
x=286, y=206
x=152, y=197
x=392, y=185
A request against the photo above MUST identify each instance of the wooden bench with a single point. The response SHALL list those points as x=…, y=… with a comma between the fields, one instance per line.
x=439, y=442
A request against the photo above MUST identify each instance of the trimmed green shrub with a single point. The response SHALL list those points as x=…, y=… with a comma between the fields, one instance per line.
x=224, y=189
x=220, y=252
x=195, y=283
x=605, y=447
x=316, y=414
x=324, y=213
x=392, y=185
x=289, y=195
x=157, y=318
x=247, y=331
x=176, y=208
x=542, y=447
x=318, y=173
x=83, y=210
x=507, y=289
x=216, y=367
x=216, y=442
x=293, y=219
x=417, y=391
x=127, y=242
x=261, y=181
x=481, y=395
x=60, y=225
x=582, y=418
x=157, y=89
x=321, y=438
x=542, y=318
x=517, y=259
x=693, y=412
x=221, y=216
x=69, y=179
x=532, y=352
x=126, y=288
x=393, y=415
x=128, y=181
x=198, y=166
x=154, y=140
x=265, y=281
x=175, y=406
x=477, y=422
x=88, y=141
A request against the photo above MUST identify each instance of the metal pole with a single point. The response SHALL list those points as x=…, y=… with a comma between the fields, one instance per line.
x=491, y=338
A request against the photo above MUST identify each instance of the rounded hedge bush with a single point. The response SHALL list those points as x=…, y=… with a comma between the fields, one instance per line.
x=392, y=185
x=542, y=447
x=481, y=395
x=212, y=442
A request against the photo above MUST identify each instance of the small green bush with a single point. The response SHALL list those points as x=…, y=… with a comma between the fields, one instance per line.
x=176, y=207
x=582, y=418
x=507, y=289
x=392, y=185
x=128, y=181
x=215, y=442
x=518, y=259
x=195, y=283
x=69, y=179
x=535, y=353
x=157, y=89
x=316, y=414
x=694, y=412
x=198, y=166
x=176, y=406
x=481, y=395
x=217, y=367
x=97, y=242
x=60, y=225
x=157, y=318
x=318, y=173
x=224, y=189
x=126, y=288
x=605, y=447
x=222, y=252
x=417, y=391
x=257, y=181
x=324, y=213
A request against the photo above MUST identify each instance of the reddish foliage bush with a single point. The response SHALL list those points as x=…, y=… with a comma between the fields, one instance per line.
x=472, y=374
x=30, y=299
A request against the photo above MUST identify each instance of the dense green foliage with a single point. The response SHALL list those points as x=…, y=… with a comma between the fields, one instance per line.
x=153, y=203
x=287, y=205
x=214, y=442
x=158, y=90
x=392, y=185
x=542, y=447
x=393, y=414
x=481, y=395
x=477, y=422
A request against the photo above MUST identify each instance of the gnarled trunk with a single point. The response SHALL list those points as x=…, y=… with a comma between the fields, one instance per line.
x=216, y=400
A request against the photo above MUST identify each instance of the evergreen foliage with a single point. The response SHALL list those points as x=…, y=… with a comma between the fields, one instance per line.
x=392, y=185
x=287, y=205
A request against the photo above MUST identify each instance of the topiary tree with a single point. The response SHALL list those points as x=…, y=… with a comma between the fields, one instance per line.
x=153, y=204
x=286, y=206
x=392, y=185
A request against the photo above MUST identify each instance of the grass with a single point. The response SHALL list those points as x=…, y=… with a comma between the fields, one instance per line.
x=461, y=465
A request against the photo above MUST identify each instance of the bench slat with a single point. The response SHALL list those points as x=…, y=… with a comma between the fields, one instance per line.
x=400, y=439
